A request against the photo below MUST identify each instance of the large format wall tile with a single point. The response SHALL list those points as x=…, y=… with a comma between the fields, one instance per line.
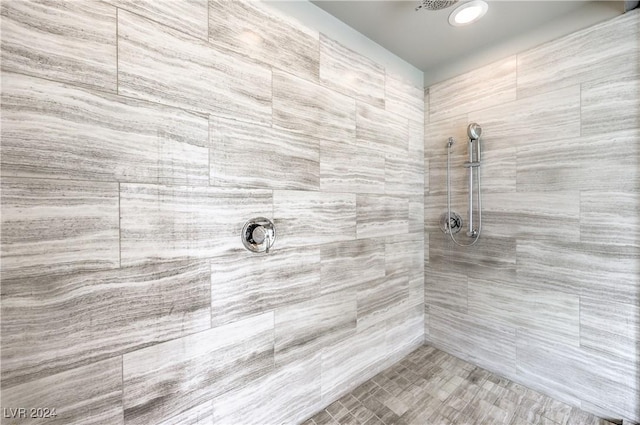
x=382, y=215
x=312, y=218
x=404, y=174
x=258, y=156
x=259, y=31
x=611, y=105
x=201, y=414
x=339, y=172
x=88, y=395
x=286, y=396
x=404, y=255
x=383, y=298
x=166, y=379
x=54, y=40
x=403, y=98
x=58, y=226
x=56, y=130
x=381, y=130
x=303, y=329
x=244, y=283
x=350, y=73
x=160, y=223
x=311, y=110
x=97, y=315
x=446, y=289
x=610, y=217
x=600, y=51
x=188, y=16
x=163, y=65
x=491, y=85
x=350, y=264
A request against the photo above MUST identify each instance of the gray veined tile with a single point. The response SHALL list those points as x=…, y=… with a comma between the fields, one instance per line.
x=58, y=226
x=610, y=217
x=404, y=254
x=406, y=329
x=163, y=65
x=187, y=16
x=437, y=133
x=537, y=215
x=381, y=130
x=313, y=218
x=595, y=163
x=404, y=174
x=600, y=51
x=485, y=343
x=502, y=299
x=169, y=378
x=547, y=116
x=403, y=98
x=244, y=283
x=52, y=129
x=610, y=327
x=383, y=298
x=79, y=318
x=201, y=414
x=346, y=167
x=53, y=40
x=164, y=223
x=350, y=264
x=288, y=395
x=382, y=215
x=445, y=288
x=493, y=84
x=611, y=105
x=311, y=110
x=602, y=271
x=304, y=329
x=259, y=31
x=89, y=395
x=257, y=156
x=416, y=214
x=348, y=72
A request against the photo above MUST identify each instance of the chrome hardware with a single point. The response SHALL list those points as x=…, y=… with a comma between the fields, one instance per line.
x=450, y=224
x=258, y=235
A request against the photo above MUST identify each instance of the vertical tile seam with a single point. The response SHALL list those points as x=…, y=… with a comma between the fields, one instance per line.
x=122, y=386
x=117, y=50
x=119, y=228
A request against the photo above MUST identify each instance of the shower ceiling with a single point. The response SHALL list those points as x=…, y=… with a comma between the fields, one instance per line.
x=426, y=40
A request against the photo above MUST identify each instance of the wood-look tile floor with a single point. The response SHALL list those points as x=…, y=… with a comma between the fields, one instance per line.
x=431, y=387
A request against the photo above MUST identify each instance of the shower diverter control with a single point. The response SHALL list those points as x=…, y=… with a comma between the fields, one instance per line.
x=258, y=234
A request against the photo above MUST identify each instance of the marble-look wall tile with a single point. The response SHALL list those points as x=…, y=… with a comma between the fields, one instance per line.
x=303, y=329
x=599, y=51
x=403, y=98
x=484, y=343
x=491, y=85
x=437, y=134
x=160, y=223
x=257, y=156
x=312, y=218
x=406, y=329
x=287, y=396
x=88, y=395
x=256, y=30
x=416, y=138
x=52, y=40
x=382, y=215
x=611, y=105
x=501, y=299
x=55, y=130
x=610, y=217
x=348, y=265
x=535, y=215
x=244, y=284
x=166, y=379
x=97, y=315
x=610, y=327
x=58, y=226
x=381, y=130
x=598, y=378
x=201, y=414
x=416, y=214
x=346, y=167
x=446, y=289
x=348, y=72
x=163, y=65
x=597, y=163
x=188, y=16
x=383, y=298
x=404, y=254
x=548, y=116
x=311, y=110
x=602, y=271
x=404, y=174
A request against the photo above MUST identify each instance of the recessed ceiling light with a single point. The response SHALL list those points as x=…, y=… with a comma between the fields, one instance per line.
x=468, y=13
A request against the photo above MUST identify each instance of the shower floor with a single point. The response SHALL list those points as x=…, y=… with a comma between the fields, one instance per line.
x=431, y=387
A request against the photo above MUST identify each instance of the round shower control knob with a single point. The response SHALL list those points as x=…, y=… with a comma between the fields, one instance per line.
x=258, y=234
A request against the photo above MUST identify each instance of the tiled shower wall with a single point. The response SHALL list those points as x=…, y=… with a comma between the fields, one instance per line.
x=137, y=138
x=549, y=296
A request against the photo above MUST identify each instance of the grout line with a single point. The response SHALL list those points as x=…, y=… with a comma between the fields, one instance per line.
x=119, y=227
x=117, y=53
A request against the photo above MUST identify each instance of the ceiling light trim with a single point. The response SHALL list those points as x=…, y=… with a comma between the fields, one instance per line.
x=468, y=13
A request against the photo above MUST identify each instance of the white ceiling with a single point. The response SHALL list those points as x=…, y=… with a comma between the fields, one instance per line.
x=426, y=40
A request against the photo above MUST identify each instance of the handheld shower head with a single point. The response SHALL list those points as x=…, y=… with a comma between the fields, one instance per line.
x=474, y=131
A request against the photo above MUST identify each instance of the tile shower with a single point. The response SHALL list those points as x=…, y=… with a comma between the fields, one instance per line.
x=138, y=137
